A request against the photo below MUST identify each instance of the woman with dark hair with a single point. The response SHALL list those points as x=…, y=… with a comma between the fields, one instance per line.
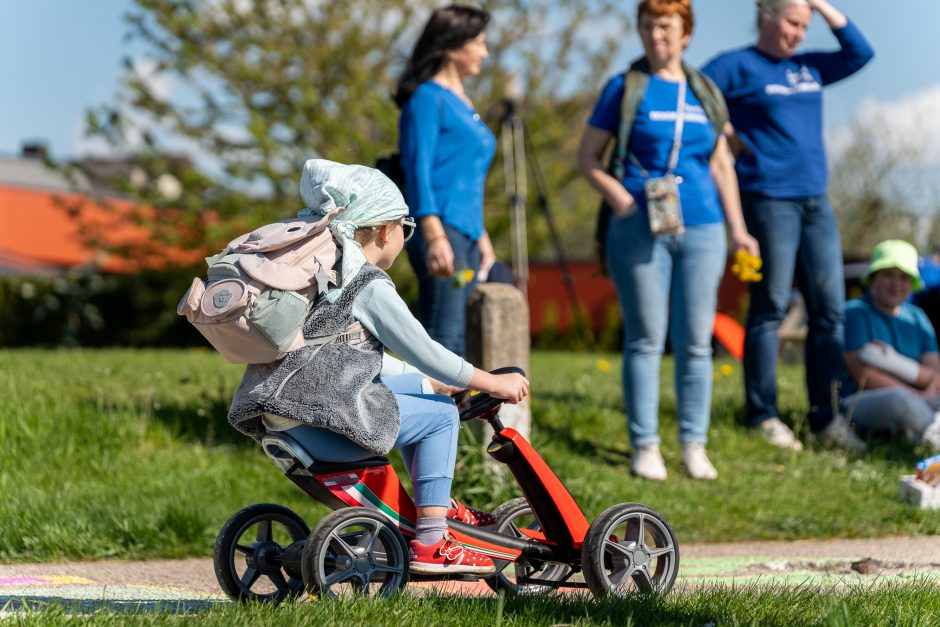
x=446, y=151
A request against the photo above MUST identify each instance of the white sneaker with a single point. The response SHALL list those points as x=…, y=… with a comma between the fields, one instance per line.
x=647, y=463
x=696, y=462
x=779, y=434
x=840, y=433
x=931, y=435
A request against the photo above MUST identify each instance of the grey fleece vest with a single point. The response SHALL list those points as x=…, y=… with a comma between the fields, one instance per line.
x=337, y=388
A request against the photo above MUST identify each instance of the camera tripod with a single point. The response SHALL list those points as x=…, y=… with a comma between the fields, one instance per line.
x=518, y=157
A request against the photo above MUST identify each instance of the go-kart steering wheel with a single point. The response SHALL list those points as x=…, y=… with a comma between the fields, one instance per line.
x=476, y=404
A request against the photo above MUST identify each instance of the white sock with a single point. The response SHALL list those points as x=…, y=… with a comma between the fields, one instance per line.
x=430, y=530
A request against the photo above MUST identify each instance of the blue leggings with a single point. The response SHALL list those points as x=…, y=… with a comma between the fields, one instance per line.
x=427, y=440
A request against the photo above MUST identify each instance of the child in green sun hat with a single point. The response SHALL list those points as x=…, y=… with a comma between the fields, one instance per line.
x=891, y=352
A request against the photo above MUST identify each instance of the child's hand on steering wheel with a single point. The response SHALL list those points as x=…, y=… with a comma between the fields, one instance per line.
x=511, y=387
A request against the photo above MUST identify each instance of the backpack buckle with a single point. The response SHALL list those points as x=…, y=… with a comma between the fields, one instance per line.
x=345, y=338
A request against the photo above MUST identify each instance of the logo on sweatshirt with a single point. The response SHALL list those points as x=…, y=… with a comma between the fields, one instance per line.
x=799, y=81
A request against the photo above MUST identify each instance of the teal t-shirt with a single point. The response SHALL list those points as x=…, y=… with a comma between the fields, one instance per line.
x=910, y=332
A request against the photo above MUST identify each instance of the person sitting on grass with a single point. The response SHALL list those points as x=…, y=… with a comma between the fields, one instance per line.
x=891, y=352
x=338, y=402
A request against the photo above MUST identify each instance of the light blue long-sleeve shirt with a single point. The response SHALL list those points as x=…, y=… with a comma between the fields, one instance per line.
x=380, y=309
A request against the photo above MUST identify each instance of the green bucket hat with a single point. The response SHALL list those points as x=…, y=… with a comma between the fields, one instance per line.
x=894, y=253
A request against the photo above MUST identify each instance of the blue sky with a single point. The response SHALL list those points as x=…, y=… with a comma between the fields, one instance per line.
x=63, y=56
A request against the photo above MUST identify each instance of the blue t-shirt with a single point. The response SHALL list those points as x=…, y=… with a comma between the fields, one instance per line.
x=909, y=332
x=651, y=138
x=446, y=151
x=776, y=110
x=929, y=272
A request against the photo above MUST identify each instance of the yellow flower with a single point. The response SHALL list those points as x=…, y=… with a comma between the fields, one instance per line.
x=603, y=365
x=726, y=370
x=746, y=266
x=463, y=277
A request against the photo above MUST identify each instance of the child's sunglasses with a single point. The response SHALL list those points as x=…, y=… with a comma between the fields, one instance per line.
x=408, y=227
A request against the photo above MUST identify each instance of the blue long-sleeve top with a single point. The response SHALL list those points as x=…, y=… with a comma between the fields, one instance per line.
x=446, y=151
x=776, y=110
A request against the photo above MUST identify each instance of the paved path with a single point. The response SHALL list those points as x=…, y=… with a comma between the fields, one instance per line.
x=189, y=584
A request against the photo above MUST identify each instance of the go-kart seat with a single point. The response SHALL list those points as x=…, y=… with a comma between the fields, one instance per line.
x=292, y=458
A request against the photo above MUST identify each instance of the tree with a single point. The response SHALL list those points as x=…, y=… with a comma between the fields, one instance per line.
x=250, y=89
x=881, y=185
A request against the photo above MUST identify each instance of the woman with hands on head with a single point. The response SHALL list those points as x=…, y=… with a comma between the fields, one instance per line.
x=666, y=122
x=774, y=97
x=446, y=150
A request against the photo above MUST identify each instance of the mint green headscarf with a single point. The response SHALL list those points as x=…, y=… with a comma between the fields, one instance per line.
x=357, y=197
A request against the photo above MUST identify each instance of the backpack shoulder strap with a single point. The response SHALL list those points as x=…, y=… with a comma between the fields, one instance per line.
x=635, y=81
x=713, y=102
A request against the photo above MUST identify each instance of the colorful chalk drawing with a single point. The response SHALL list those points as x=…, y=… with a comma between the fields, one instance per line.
x=80, y=595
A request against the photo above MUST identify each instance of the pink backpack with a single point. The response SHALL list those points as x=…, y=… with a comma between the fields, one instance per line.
x=260, y=288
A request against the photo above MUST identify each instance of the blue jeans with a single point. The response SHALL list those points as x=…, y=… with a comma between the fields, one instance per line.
x=892, y=410
x=441, y=303
x=427, y=440
x=801, y=235
x=654, y=275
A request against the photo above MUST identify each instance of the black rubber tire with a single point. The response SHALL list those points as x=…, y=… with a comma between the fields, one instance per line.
x=506, y=514
x=226, y=547
x=386, y=550
x=647, y=555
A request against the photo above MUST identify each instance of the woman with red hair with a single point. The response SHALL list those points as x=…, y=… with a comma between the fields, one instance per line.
x=668, y=188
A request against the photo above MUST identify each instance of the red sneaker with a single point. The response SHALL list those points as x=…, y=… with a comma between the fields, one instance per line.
x=459, y=511
x=448, y=557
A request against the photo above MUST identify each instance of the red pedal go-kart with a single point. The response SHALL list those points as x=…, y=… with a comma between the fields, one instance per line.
x=541, y=542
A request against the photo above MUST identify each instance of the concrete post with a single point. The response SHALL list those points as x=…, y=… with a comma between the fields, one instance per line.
x=498, y=335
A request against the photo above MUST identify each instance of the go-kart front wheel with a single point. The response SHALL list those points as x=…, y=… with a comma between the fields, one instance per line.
x=249, y=553
x=629, y=548
x=524, y=576
x=355, y=552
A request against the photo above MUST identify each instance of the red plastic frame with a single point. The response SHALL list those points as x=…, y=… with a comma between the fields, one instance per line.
x=379, y=489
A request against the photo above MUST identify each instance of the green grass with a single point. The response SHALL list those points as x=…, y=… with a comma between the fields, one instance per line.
x=911, y=604
x=128, y=454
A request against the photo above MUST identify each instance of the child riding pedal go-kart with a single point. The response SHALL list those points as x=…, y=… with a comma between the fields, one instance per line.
x=326, y=403
x=540, y=542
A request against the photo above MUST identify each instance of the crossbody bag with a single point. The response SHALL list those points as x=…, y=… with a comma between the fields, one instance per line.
x=662, y=192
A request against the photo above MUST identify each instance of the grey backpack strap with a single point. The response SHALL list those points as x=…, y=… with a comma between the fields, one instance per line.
x=711, y=98
x=352, y=335
x=634, y=88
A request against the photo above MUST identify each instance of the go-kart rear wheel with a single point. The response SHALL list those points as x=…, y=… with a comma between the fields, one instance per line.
x=629, y=548
x=249, y=551
x=355, y=552
x=514, y=518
